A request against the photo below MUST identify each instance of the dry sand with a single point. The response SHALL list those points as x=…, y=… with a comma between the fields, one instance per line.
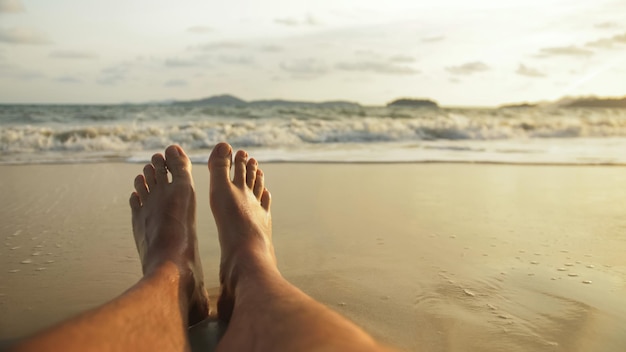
x=431, y=257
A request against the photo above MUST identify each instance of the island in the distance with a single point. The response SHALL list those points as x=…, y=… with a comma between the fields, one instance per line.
x=413, y=103
x=227, y=100
x=230, y=100
x=594, y=102
x=573, y=102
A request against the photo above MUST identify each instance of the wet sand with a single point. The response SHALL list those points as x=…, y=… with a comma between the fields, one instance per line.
x=436, y=257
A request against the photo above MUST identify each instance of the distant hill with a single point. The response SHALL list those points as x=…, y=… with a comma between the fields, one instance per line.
x=594, y=102
x=518, y=106
x=230, y=100
x=224, y=100
x=413, y=103
x=573, y=102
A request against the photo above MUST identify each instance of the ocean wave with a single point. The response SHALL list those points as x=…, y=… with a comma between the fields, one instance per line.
x=125, y=130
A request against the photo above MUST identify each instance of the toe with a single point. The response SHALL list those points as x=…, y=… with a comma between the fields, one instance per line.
x=251, y=168
x=141, y=187
x=240, y=168
x=159, y=169
x=178, y=163
x=135, y=202
x=219, y=162
x=266, y=199
x=148, y=173
x=259, y=184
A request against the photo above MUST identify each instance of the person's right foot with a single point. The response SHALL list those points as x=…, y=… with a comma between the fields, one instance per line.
x=241, y=208
x=164, y=224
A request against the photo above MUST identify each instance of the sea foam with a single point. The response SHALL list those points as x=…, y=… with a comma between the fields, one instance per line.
x=32, y=134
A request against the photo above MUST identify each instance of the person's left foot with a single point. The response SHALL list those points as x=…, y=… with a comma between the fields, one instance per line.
x=164, y=224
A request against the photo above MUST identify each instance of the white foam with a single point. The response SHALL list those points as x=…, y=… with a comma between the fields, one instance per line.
x=84, y=134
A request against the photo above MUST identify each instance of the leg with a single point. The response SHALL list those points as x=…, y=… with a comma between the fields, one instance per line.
x=266, y=312
x=153, y=315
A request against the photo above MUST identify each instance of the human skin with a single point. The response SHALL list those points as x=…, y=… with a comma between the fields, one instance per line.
x=263, y=310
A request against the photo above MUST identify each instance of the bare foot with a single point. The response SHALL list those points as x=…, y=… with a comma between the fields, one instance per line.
x=164, y=224
x=241, y=208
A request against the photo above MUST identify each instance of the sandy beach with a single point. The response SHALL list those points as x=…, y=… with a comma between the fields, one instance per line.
x=432, y=257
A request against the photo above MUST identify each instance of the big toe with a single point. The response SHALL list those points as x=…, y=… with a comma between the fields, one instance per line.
x=178, y=163
x=219, y=162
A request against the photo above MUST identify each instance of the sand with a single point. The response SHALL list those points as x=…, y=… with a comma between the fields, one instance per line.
x=434, y=257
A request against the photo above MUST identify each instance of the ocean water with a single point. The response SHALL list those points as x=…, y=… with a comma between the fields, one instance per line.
x=131, y=133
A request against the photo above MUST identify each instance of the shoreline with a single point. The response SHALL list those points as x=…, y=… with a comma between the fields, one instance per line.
x=332, y=162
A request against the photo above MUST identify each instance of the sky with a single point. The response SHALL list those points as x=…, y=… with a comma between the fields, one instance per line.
x=457, y=52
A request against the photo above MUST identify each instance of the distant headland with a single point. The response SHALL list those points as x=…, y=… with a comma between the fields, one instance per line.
x=228, y=100
x=413, y=103
x=573, y=102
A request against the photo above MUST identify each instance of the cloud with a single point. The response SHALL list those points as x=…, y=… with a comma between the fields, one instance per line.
x=307, y=67
x=402, y=59
x=609, y=42
x=376, y=67
x=16, y=72
x=220, y=46
x=199, y=29
x=271, y=48
x=178, y=63
x=22, y=35
x=565, y=51
x=175, y=83
x=236, y=60
x=606, y=25
x=468, y=68
x=433, y=39
x=73, y=54
x=113, y=75
x=11, y=6
x=287, y=21
x=68, y=79
x=309, y=20
x=529, y=71
x=371, y=54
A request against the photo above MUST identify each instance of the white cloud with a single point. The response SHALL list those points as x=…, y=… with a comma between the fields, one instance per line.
x=113, y=75
x=309, y=20
x=376, y=67
x=236, y=60
x=16, y=72
x=73, y=54
x=609, y=42
x=565, y=51
x=22, y=35
x=175, y=83
x=309, y=67
x=402, y=59
x=220, y=46
x=11, y=6
x=177, y=63
x=468, y=68
x=287, y=21
x=68, y=79
x=606, y=25
x=199, y=29
x=529, y=71
x=271, y=48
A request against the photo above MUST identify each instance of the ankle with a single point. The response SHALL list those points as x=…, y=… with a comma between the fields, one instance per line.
x=174, y=274
x=247, y=265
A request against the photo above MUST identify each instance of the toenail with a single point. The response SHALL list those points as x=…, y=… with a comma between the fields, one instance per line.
x=223, y=150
